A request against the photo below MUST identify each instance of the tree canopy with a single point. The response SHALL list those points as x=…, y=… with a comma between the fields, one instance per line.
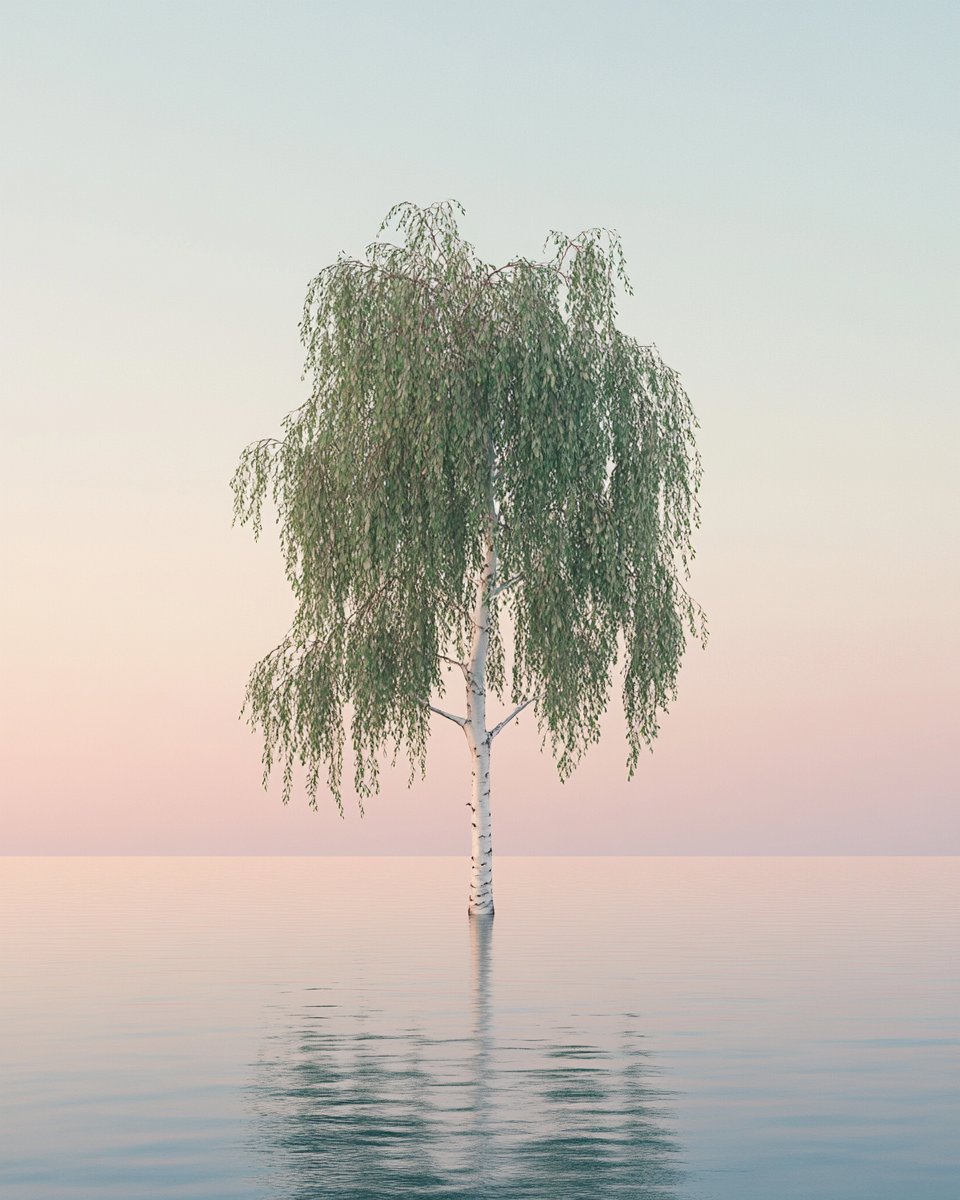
x=456, y=406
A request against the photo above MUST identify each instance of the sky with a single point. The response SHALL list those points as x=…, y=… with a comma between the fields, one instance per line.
x=784, y=177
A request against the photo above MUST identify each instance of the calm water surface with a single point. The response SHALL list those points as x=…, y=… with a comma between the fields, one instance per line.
x=680, y=1028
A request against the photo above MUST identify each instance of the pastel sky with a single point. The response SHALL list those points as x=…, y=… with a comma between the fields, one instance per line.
x=784, y=178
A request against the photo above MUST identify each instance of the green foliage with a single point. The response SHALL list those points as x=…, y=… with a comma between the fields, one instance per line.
x=455, y=403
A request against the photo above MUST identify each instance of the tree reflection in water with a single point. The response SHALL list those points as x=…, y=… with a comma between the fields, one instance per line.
x=356, y=1106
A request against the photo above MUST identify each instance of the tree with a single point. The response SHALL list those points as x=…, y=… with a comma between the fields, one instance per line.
x=480, y=443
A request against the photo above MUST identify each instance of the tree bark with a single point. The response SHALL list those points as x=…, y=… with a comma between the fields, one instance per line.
x=478, y=741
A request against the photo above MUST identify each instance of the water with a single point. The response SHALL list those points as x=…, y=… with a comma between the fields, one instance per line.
x=686, y=1029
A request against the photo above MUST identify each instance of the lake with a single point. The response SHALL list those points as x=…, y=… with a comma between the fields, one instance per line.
x=679, y=1028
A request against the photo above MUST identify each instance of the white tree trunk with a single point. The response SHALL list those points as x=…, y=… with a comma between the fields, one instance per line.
x=478, y=740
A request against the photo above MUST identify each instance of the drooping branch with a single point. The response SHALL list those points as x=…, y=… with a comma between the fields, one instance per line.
x=513, y=716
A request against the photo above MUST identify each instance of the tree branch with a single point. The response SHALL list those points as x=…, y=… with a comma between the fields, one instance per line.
x=516, y=713
x=455, y=662
x=461, y=721
x=502, y=587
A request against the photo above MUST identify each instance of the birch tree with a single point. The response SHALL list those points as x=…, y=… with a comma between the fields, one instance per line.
x=489, y=480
